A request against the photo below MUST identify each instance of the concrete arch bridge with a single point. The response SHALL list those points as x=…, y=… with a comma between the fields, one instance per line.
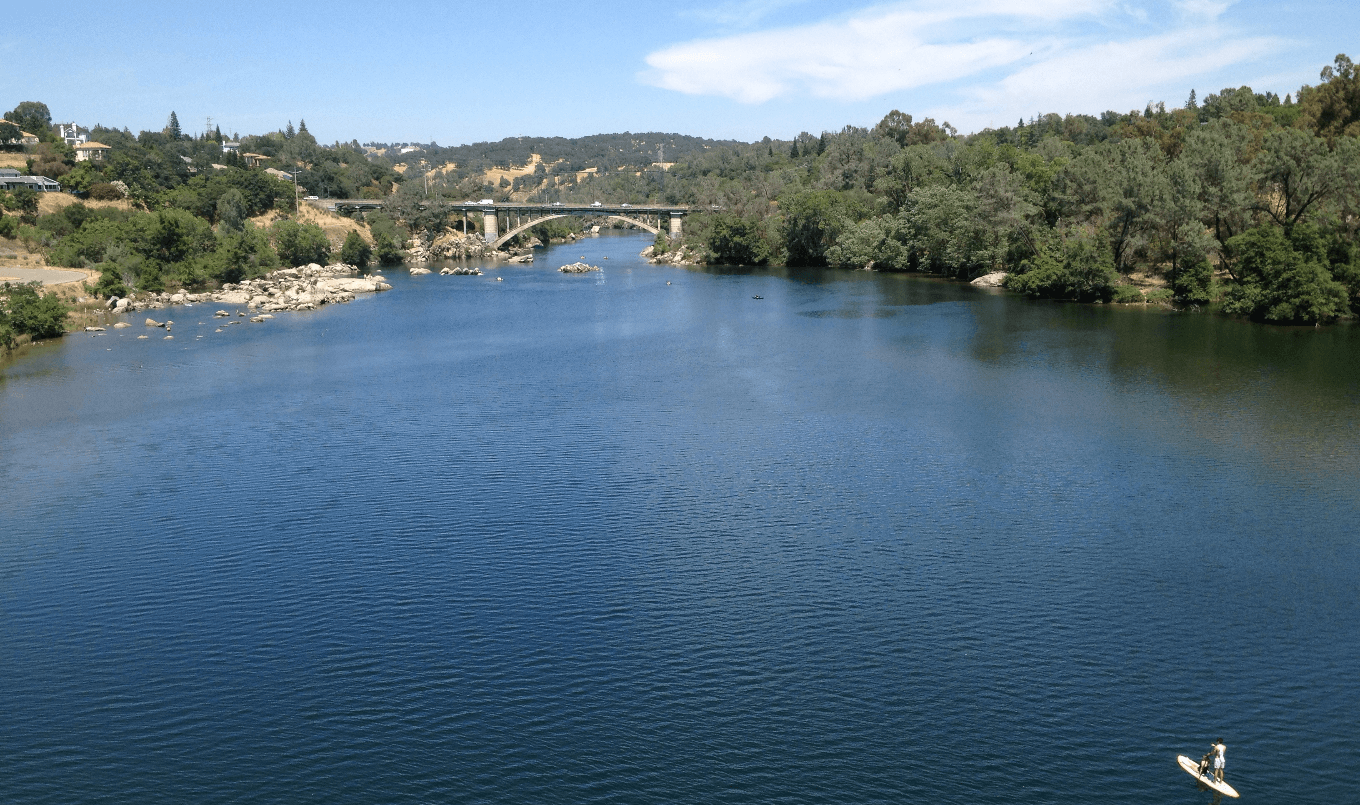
x=501, y=222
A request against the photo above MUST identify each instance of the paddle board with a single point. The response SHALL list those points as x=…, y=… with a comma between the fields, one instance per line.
x=1192, y=768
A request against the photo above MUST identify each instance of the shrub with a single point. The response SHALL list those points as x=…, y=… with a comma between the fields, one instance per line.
x=1280, y=283
x=1160, y=295
x=1127, y=294
x=737, y=241
x=1190, y=283
x=110, y=283
x=104, y=191
x=356, y=251
x=1077, y=270
x=31, y=313
x=299, y=244
x=9, y=226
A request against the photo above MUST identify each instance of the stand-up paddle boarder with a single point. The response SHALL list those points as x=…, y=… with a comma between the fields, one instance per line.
x=1220, y=751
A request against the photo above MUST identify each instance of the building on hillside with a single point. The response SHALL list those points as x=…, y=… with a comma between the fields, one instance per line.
x=92, y=152
x=11, y=179
x=229, y=147
x=406, y=149
x=73, y=135
x=254, y=160
x=28, y=139
x=278, y=174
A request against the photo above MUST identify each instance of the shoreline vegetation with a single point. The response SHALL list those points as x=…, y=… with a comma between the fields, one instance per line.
x=1242, y=203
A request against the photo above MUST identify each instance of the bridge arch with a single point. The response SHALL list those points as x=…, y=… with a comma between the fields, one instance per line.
x=503, y=239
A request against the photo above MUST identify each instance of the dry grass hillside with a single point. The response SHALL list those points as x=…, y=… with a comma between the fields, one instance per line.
x=336, y=227
x=49, y=203
x=9, y=159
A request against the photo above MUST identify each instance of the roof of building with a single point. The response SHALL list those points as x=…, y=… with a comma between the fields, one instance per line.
x=92, y=146
x=9, y=171
x=41, y=182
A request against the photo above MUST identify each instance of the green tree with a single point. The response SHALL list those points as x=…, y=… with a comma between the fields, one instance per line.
x=1333, y=109
x=1078, y=269
x=812, y=220
x=172, y=130
x=298, y=244
x=9, y=137
x=110, y=283
x=356, y=251
x=1115, y=186
x=31, y=116
x=737, y=241
x=23, y=200
x=1296, y=173
x=35, y=314
x=1281, y=283
x=231, y=210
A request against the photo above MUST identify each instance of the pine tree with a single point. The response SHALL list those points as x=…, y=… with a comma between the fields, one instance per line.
x=1192, y=103
x=172, y=127
x=217, y=135
x=793, y=150
x=302, y=127
x=288, y=132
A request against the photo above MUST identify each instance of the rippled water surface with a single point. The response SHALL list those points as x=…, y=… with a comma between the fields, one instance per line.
x=599, y=538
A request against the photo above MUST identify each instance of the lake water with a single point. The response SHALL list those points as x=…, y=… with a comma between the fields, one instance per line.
x=597, y=538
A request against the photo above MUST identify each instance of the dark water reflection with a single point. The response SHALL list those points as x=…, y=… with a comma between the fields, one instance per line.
x=867, y=538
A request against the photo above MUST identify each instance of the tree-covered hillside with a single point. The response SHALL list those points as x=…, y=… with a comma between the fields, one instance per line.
x=1242, y=200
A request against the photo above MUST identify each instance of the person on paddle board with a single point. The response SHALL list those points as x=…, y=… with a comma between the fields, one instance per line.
x=1220, y=751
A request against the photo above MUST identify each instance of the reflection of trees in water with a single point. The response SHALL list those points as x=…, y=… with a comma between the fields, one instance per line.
x=1291, y=390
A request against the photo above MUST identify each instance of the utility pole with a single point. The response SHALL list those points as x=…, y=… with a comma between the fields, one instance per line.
x=296, y=200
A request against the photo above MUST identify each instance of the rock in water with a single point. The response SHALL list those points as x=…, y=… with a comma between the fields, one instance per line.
x=154, y=323
x=992, y=280
x=257, y=319
x=120, y=325
x=417, y=271
x=578, y=268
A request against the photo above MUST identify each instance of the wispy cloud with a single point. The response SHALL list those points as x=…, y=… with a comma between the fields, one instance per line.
x=741, y=13
x=1051, y=54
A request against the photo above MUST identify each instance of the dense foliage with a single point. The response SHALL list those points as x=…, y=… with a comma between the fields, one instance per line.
x=1243, y=200
x=25, y=311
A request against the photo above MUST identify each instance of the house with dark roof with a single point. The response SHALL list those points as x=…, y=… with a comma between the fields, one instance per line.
x=11, y=179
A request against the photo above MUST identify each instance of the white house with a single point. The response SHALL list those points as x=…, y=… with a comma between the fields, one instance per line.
x=92, y=152
x=73, y=135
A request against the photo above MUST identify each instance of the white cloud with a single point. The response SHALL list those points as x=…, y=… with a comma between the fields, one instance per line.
x=1050, y=54
x=1107, y=75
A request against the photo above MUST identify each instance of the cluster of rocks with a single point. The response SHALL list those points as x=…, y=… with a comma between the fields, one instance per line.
x=450, y=245
x=304, y=288
x=461, y=271
x=682, y=256
x=578, y=268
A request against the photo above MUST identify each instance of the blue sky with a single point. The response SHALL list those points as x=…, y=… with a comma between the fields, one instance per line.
x=459, y=72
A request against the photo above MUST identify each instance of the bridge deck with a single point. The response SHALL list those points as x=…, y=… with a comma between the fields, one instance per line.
x=554, y=209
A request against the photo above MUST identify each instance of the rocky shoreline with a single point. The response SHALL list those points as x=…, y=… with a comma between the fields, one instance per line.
x=682, y=256
x=304, y=288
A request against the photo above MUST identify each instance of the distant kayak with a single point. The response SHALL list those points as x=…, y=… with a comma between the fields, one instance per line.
x=1192, y=768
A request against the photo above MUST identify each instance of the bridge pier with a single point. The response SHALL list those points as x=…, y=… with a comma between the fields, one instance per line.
x=675, y=226
x=489, y=225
